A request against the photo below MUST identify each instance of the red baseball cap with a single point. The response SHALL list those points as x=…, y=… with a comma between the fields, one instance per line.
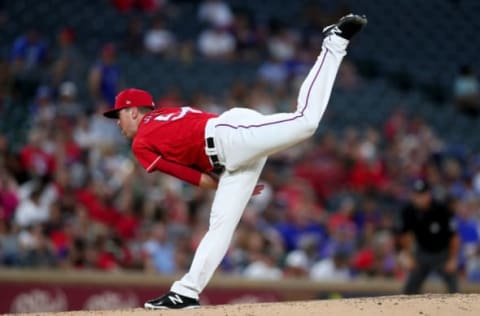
x=130, y=98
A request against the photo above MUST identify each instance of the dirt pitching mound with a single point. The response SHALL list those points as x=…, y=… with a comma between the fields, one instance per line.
x=421, y=305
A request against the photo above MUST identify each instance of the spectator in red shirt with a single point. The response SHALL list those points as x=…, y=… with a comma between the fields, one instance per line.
x=34, y=158
x=8, y=195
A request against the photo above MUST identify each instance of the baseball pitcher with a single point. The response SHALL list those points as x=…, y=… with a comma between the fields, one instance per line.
x=192, y=145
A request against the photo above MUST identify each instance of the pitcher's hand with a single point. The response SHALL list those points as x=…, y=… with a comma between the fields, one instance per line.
x=258, y=189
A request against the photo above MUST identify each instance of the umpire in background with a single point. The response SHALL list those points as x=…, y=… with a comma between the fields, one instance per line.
x=428, y=239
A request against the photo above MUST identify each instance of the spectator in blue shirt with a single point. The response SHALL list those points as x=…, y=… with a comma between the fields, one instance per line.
x=28, y=58
x=104, y=77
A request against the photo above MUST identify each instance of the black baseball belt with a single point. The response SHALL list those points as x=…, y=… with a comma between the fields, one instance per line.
x=212, y=153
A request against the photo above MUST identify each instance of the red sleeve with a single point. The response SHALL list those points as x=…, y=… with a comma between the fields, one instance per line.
x=153, y=161
x=181, y=172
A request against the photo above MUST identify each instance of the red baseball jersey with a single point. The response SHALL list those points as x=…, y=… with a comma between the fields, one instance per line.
x=172, y=140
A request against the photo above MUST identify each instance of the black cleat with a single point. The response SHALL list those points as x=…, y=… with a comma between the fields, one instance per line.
x=347, y=26
x=172, y=300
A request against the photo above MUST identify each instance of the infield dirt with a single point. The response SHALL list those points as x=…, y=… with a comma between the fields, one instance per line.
x=420, y=305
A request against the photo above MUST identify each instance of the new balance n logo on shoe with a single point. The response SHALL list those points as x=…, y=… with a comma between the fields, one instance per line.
x=175, y=299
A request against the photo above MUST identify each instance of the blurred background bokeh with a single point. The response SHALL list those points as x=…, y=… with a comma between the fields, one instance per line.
x=405, y=105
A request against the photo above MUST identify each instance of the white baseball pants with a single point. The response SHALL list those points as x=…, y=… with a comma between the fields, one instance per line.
x=244, y=139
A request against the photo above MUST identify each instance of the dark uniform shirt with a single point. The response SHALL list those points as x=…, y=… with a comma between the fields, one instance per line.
x=433, y=228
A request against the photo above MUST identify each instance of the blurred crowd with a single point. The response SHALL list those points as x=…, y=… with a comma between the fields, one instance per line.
x=72, y=196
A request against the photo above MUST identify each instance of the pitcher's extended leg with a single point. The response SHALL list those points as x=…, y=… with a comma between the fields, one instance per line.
x=233, y=193
x=261, y=135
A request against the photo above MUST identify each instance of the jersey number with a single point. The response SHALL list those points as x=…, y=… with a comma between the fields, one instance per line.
x=176, y=116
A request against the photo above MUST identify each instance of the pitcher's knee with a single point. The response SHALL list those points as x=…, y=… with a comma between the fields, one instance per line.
x=308, y=129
